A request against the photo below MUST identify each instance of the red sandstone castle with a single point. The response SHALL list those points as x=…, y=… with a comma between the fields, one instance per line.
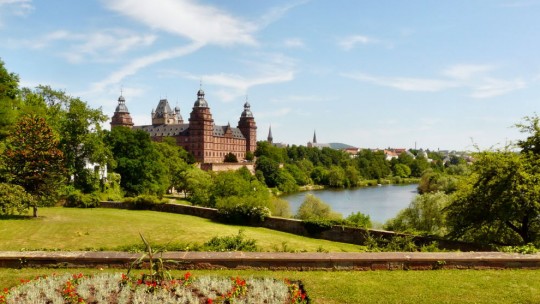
x=207, y=142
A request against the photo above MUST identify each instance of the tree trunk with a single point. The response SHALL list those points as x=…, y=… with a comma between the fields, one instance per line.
x=35, y=211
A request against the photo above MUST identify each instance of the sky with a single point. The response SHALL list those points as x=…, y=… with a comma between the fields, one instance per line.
x=449, y=75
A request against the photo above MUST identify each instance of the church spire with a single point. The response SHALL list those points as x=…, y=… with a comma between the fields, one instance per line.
x=314, y=137
x=270, y=138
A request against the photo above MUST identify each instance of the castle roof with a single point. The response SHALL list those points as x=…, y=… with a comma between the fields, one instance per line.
x=178, y=129
x=247, y=110
x=121, y=107
x=163, y=108
x=200, y=102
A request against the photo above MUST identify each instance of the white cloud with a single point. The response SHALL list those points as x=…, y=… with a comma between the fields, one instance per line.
x=17, y=7
x=350, y=42
x=277, y=13
x=203, y=24
x=472, y=77
x=142, y=62
x=495, y=87
x=264, y=69
x=405, y=84
x=294, y=43
x=104, y=45
x=466, y=71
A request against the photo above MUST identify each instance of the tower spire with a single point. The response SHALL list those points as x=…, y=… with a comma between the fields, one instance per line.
x=270, y=137
x=314, y=137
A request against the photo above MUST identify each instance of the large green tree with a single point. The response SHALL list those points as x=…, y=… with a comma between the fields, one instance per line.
x=499, y=202
x=140, y=165
x=9, y=92
x=34, y=161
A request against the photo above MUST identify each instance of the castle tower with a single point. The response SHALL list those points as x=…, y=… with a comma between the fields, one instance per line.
x=121, y=115
x=247, y=126
x=201, y=129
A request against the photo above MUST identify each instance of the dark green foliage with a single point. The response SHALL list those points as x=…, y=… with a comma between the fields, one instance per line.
x=532, y=142
x=231, y=243
x=9, y=91
x=32, y=160
x=230, y=158
x=247, y=210
x=269, y=169
x=139, y=162
x=81, y=200
x=498, y=202
x=250, y=156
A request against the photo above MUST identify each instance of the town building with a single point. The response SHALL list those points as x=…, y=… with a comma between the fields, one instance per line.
x=208, y=142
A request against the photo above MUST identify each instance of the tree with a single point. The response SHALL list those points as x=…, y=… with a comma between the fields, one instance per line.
x=313, y=208
x=198, y=186
x=402, y=170
x=173, y=157
x=34, y=161
x=359, y=219
x=13, y=199
x=230, y=158
x=499, y=202
x=139, y=163
x=425, y=215
x=9, y=91
x=532, y=142
x=269, y=169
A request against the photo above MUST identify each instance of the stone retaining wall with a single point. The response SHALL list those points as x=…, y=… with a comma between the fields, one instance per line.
x=277, y=261
x=336, y=233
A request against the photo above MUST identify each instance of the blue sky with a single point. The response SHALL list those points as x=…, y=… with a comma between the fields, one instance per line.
x=373, y=74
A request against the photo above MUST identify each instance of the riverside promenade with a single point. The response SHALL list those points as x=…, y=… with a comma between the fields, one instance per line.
x=276, y=260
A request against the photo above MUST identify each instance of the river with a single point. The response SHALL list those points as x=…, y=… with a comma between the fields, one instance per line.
x=380, y=203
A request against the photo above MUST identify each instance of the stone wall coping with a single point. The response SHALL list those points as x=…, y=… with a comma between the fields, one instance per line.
x=276, y=260
x=276, y=256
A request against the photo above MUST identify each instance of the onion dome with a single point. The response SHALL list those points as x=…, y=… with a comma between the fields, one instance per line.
x=121, y=108
x=247, y=110
x=200, y=102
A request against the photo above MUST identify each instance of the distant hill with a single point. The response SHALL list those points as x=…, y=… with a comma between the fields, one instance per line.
x=340, y=146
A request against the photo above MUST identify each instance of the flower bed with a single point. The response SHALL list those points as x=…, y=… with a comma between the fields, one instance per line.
x=121, y=288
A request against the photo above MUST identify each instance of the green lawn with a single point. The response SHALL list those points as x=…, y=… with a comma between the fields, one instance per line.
x=106, y=229
x=436, y=286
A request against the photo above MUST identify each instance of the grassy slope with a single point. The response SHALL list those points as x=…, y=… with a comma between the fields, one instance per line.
x=438, y=286
x=82, y=229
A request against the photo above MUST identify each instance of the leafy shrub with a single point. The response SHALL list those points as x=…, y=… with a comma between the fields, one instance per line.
x=280, y=207
x=231, y=243
x=359, y=219
x=242, y=210
x=77, y=199
x=525, y=249
x=143, y=202
x=314, y=208
x=425, y=215
x=13, y=199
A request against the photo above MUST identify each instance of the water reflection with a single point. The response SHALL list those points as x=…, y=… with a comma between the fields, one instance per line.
x=380, y=203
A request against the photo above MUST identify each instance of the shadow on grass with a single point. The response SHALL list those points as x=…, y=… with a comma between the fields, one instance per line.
x=17, y=217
